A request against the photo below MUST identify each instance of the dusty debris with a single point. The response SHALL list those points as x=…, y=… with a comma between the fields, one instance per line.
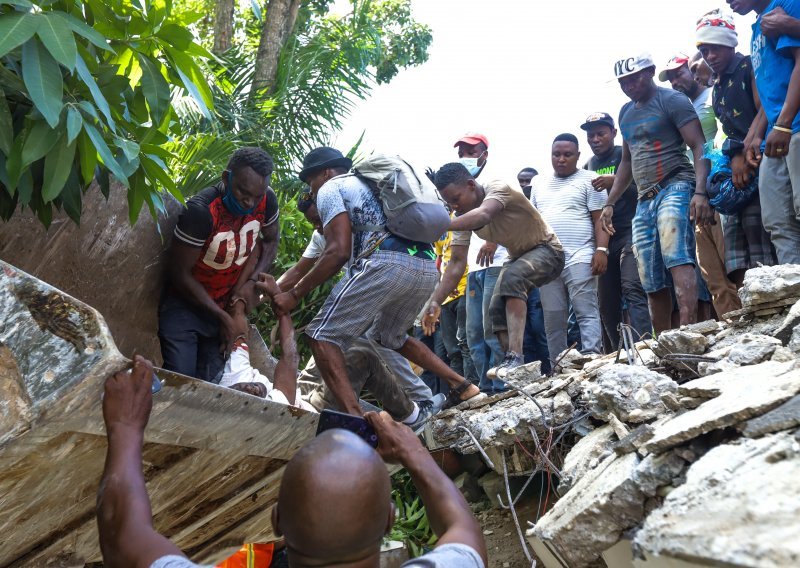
x=738, y=507
x=770, y=283
x=632, y=393
x=660, y=463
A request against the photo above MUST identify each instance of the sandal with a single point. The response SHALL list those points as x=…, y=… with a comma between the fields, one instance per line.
x=454, y=396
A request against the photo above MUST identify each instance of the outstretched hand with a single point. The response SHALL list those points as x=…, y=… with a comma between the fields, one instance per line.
x=395, y=440
x=127, y=397
x=431, y=318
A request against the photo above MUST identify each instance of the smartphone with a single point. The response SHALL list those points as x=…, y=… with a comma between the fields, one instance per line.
x=358, y=425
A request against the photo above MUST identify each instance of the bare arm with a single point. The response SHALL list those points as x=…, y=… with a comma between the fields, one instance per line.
x=286, y=369
x=182, y=259
x=338, y=248
x=450, y=278
x=292, y=276
x=601, y=239
x=777, y=143
x=699, y=209
x=450, y=516
x=270, y=237
x=622, y=179
x=478, y=217
x=124, y=517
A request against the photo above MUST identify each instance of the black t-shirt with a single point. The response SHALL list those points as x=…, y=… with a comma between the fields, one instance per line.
x=225, y=240
x=734, y=103
x=625, y=207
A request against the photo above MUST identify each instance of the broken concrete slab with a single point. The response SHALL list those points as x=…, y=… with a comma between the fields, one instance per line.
x=738, y=507
x=786, y=416
x=741, y=397
x=656, y=471
x=712, y=385
x=753, y=349
x=706, y=327
x=680, y=341
x=577, y=461
x=791, y=321
x=634, y=440
x=631, y=392
x=770, y=283
x=591, y=517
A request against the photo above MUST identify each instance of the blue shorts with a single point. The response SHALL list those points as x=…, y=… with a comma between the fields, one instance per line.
x=663, y=235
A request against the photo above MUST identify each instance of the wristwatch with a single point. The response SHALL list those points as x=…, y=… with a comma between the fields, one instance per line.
x=602, y=249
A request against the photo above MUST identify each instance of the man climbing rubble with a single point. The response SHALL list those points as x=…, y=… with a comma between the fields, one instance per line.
x=497, y=213
x=325, y=518
x=381, y=371
x=387, y=282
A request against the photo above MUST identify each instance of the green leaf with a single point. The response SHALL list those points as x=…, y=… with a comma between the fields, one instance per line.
x=85, y=31
x=136, y=195
x=87, y=157
x=193, y=80
x=155, y=88
x=6, y=125
x=25, y=187
x=38, y=142
x=103, y=181
x=74, y=123
x=97, y=94
x=128, y=147
x=42, y=77
x=89, y=109
x=71, y=196
x=256, y=9
x=105, y=153
x=57, y=167
x=157, y=173
x=45, y=215
x=16, y=28
x=177, y=36
x=57, y=37
x=18, y=3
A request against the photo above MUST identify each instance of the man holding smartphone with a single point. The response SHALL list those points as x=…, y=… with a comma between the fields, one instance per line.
x=325, y=518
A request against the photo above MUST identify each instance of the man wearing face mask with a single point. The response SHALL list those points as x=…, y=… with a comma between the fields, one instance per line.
x=226, y=235
x=484, y=261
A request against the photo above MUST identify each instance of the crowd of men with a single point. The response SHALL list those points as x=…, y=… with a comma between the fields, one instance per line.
x=649, y=234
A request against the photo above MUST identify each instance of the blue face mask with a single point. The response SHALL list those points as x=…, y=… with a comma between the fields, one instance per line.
x=471, y=164
x=230, y=202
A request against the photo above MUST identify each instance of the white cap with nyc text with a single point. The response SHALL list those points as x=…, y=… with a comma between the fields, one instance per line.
x=631, y=65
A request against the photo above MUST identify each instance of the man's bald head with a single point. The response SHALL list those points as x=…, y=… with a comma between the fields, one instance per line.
x=334, y=503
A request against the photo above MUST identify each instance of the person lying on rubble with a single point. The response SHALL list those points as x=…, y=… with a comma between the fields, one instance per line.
x=325, y=518
x=240, y=375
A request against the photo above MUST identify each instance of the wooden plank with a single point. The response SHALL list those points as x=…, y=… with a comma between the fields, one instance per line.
x=213, y=456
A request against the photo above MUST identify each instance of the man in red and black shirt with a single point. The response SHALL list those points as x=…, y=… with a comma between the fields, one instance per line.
x=225, y=237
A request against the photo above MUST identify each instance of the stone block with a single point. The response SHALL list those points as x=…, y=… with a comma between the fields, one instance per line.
x=792, y=320
x=631, y=392
x=738, y=507
x=680, y=341
x=786, y=416
x=753, y=349
x=741, y=396
x=577, y=461
x=770, y=283
x=593, y=515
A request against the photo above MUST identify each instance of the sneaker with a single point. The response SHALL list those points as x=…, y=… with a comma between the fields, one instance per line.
x=427, y=408
x=510, y=361
x=491, y=374
x=438, y=402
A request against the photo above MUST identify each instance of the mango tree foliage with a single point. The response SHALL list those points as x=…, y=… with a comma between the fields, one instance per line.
x=86, y=90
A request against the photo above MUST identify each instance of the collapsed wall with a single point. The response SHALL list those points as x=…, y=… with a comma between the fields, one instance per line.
x=687, y=456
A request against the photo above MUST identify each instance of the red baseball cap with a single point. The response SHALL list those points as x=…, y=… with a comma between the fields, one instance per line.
x=472, y=138
x=675, y=63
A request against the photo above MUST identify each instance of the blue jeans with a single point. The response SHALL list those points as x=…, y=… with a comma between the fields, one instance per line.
x=535, y=340
x=189, y=339
x=484, y=347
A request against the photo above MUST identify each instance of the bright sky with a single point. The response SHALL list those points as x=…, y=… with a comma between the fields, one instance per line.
x=520, y=72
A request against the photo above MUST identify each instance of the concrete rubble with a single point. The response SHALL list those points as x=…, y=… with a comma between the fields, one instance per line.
x=690, y=456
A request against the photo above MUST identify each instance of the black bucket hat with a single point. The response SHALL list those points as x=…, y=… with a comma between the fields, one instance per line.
x=321, y=159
